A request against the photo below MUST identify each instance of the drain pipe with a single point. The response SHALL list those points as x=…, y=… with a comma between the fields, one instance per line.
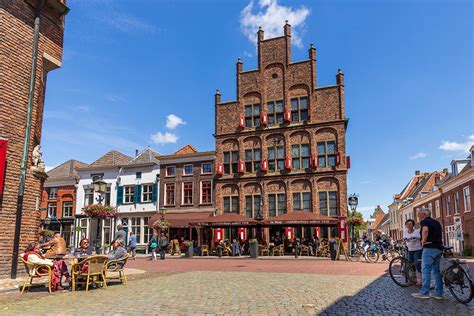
x=24, y=159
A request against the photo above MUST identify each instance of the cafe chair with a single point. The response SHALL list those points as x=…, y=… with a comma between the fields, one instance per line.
x=263, y=250
x=36, y=271
x=90, y=271
x=278, y=250
x=304, y=251
x=116, y=266
x=205, y=250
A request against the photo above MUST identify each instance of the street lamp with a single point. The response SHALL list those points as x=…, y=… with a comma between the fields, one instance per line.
x=100, y=186
x=259, y=217
x=353, y=202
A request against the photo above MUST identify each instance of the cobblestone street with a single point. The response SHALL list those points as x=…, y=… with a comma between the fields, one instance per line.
x=213, y=292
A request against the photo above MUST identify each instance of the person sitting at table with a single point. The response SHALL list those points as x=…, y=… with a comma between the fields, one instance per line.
x=84, y=249
x=119, y=251
x=33, y=256
x=236, y=248
x=56, y=252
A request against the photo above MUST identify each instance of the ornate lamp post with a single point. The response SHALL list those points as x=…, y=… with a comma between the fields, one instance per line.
x=353, y=202
x=259, y=217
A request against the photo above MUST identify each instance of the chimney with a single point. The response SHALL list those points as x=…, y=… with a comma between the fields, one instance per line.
x=312, y=52
x=287, y=29
x=239, y=66
x=445, y=170
x=260, y=34
x=136, y=152
x=340, y=77
x=217, y=96
x=417, y=172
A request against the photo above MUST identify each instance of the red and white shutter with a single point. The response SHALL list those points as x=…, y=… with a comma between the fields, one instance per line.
x=243, y=233
x=348, y=162
x=218, y=234
x=342, y=228
x=338, y=158
x=220, y=168
x=318, y=232
x=264, y=165
x=290, y=233
x=288, y=164
x=263, y=118
x=287, y=115
x=242, y=121
x=241, y=166
x=314, y=161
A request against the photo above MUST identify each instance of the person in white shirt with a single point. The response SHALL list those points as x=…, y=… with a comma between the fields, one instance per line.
x=32, y=255
x=413, y=242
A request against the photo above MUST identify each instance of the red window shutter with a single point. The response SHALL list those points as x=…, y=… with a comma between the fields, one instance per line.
x=263, y=118
x=243, y=233
x=287, y=115
x=314, y=161
x=3, y=162
x=288, y=165
x=220, y=168
x=290, y=233
x=218, y=234
x=348, y=162
x=338, y=158
x=241, y=166
x=264, y=165
x=242, y=121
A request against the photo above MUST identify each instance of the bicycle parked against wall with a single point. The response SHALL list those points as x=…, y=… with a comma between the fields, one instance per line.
x=455, y=274
x=375, y=252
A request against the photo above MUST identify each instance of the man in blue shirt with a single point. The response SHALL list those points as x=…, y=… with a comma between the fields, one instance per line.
x=132, y=244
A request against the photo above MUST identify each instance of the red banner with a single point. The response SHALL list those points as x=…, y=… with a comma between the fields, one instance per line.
x=3, y=163
x=218, y=234
x=243, y=233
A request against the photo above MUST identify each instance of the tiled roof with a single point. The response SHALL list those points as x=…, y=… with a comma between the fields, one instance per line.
x=111, y=159
x=188, y=149
x=66, y=170
x=146, y=156
x=421, y=185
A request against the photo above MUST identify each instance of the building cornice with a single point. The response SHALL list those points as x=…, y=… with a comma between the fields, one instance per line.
x=461, y=178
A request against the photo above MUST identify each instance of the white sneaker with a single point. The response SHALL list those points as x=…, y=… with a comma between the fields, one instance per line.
x=436, y=297
x=420, y=295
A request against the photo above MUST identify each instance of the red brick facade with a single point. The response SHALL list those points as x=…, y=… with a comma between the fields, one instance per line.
x=280, y=82
x=16, y=45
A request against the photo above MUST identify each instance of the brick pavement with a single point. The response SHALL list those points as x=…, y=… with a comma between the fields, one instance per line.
x=240, y=286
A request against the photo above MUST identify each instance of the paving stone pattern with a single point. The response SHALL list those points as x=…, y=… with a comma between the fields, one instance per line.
x=240, y=293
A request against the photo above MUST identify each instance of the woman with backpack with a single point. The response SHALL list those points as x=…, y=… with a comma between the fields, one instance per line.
x=153, y=244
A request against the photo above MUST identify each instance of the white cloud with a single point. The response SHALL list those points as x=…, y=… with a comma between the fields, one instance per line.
x=271, y=17
x=247, y=54
x=418, y=155
x=458, y=146
x=166, y=138
x=172, y=121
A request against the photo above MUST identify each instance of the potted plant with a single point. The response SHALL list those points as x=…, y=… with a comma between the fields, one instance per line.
x=100, y=211
x=161, y=225
x=189, y=249
x=254, y=248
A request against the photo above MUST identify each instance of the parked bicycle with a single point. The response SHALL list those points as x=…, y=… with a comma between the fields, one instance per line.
x=375, y=252
x=455, y=275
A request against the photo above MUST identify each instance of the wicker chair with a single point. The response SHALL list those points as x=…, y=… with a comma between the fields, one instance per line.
x=323, y=249
x=89, y=271
x=263, y=250
x=278, y=250
x=204, y=250
x=36, y=271
x=304, y=251
x=116, y=266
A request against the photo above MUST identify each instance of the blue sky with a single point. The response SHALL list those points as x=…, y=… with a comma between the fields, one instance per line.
x=144, y=73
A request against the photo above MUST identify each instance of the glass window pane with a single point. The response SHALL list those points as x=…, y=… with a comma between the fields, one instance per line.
x=248, y=110
x=226, y=157
x=256, y=154
x=279, y=118
x=295, y=151
x=280, y=164
x=271, y=153
x=226, y=204
x=331, y=148
x=303, y=103
x=256, y=109
x=248, y=206
x=281, y=203
x=296, y=201
x=305, y=150
x=294, y=117
x=322, y=161
x=331, y=161
x=248, y=154
x=235, y=156
x=305, y=163
x=333, y=203
x=271, y=119
x=271, y=205
x=280, y=152
x=321, y=148
x=256, y=121
x=323, y=209
x=248, y=122
x=279, y=107
x=296, y=163
x=256, y=202
x=271, y=107
x=304, y=115
x=307, y=201
x=294, y=104
x=271, y=165
x=235, y=204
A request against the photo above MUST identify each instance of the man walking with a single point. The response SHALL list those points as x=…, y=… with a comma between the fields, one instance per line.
x=431, y=240
x=163, y=245
x=132, y=244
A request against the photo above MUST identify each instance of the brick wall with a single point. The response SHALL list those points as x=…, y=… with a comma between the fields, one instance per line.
x=16, y=45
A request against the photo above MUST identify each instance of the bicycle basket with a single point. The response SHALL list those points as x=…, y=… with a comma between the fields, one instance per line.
x=454, y=274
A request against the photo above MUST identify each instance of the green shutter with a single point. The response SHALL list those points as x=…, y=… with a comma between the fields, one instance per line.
x=119, y=195
x=154, y=192
x=138, y=193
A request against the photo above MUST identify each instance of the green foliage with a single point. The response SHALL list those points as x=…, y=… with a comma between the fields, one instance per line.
x=467, y=250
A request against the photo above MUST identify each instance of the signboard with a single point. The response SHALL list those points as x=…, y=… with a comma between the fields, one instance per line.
x=3, y=163
x=458, y=233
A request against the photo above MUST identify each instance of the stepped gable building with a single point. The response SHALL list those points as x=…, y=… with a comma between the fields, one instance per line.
x=59, y=198
x=281, y=146
x=186, y=192
x=17, y=39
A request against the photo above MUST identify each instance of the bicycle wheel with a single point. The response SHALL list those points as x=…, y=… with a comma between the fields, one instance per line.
x=402, y=272
x=354, y=255
x=461, y=289
x=371, y=256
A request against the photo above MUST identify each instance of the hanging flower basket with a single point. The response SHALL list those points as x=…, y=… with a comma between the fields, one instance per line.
x=159, y=224
x=355, y=221
x=100, y=211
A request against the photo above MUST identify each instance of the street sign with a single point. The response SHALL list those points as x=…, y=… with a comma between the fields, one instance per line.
x=458, y=235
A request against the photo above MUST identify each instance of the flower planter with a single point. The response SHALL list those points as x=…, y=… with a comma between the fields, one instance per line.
x=254, y=250
x=189, y=252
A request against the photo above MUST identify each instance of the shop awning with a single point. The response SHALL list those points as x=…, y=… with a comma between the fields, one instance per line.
x=298, y=218
x=181, y=220
x=226, y=220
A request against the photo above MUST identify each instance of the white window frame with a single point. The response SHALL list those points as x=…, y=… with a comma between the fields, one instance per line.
x=448, y=205
x=437, y=209
x=200, y=191
x=55, y=195
x=142, y=198
x=202, y=167
x=166, y=171
x=125, y=187
x=192, y=193
x=47, y=209
x=165, y=202
x=456, y=203
x=467, y=199
x=184, y=169
x=72, y=209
